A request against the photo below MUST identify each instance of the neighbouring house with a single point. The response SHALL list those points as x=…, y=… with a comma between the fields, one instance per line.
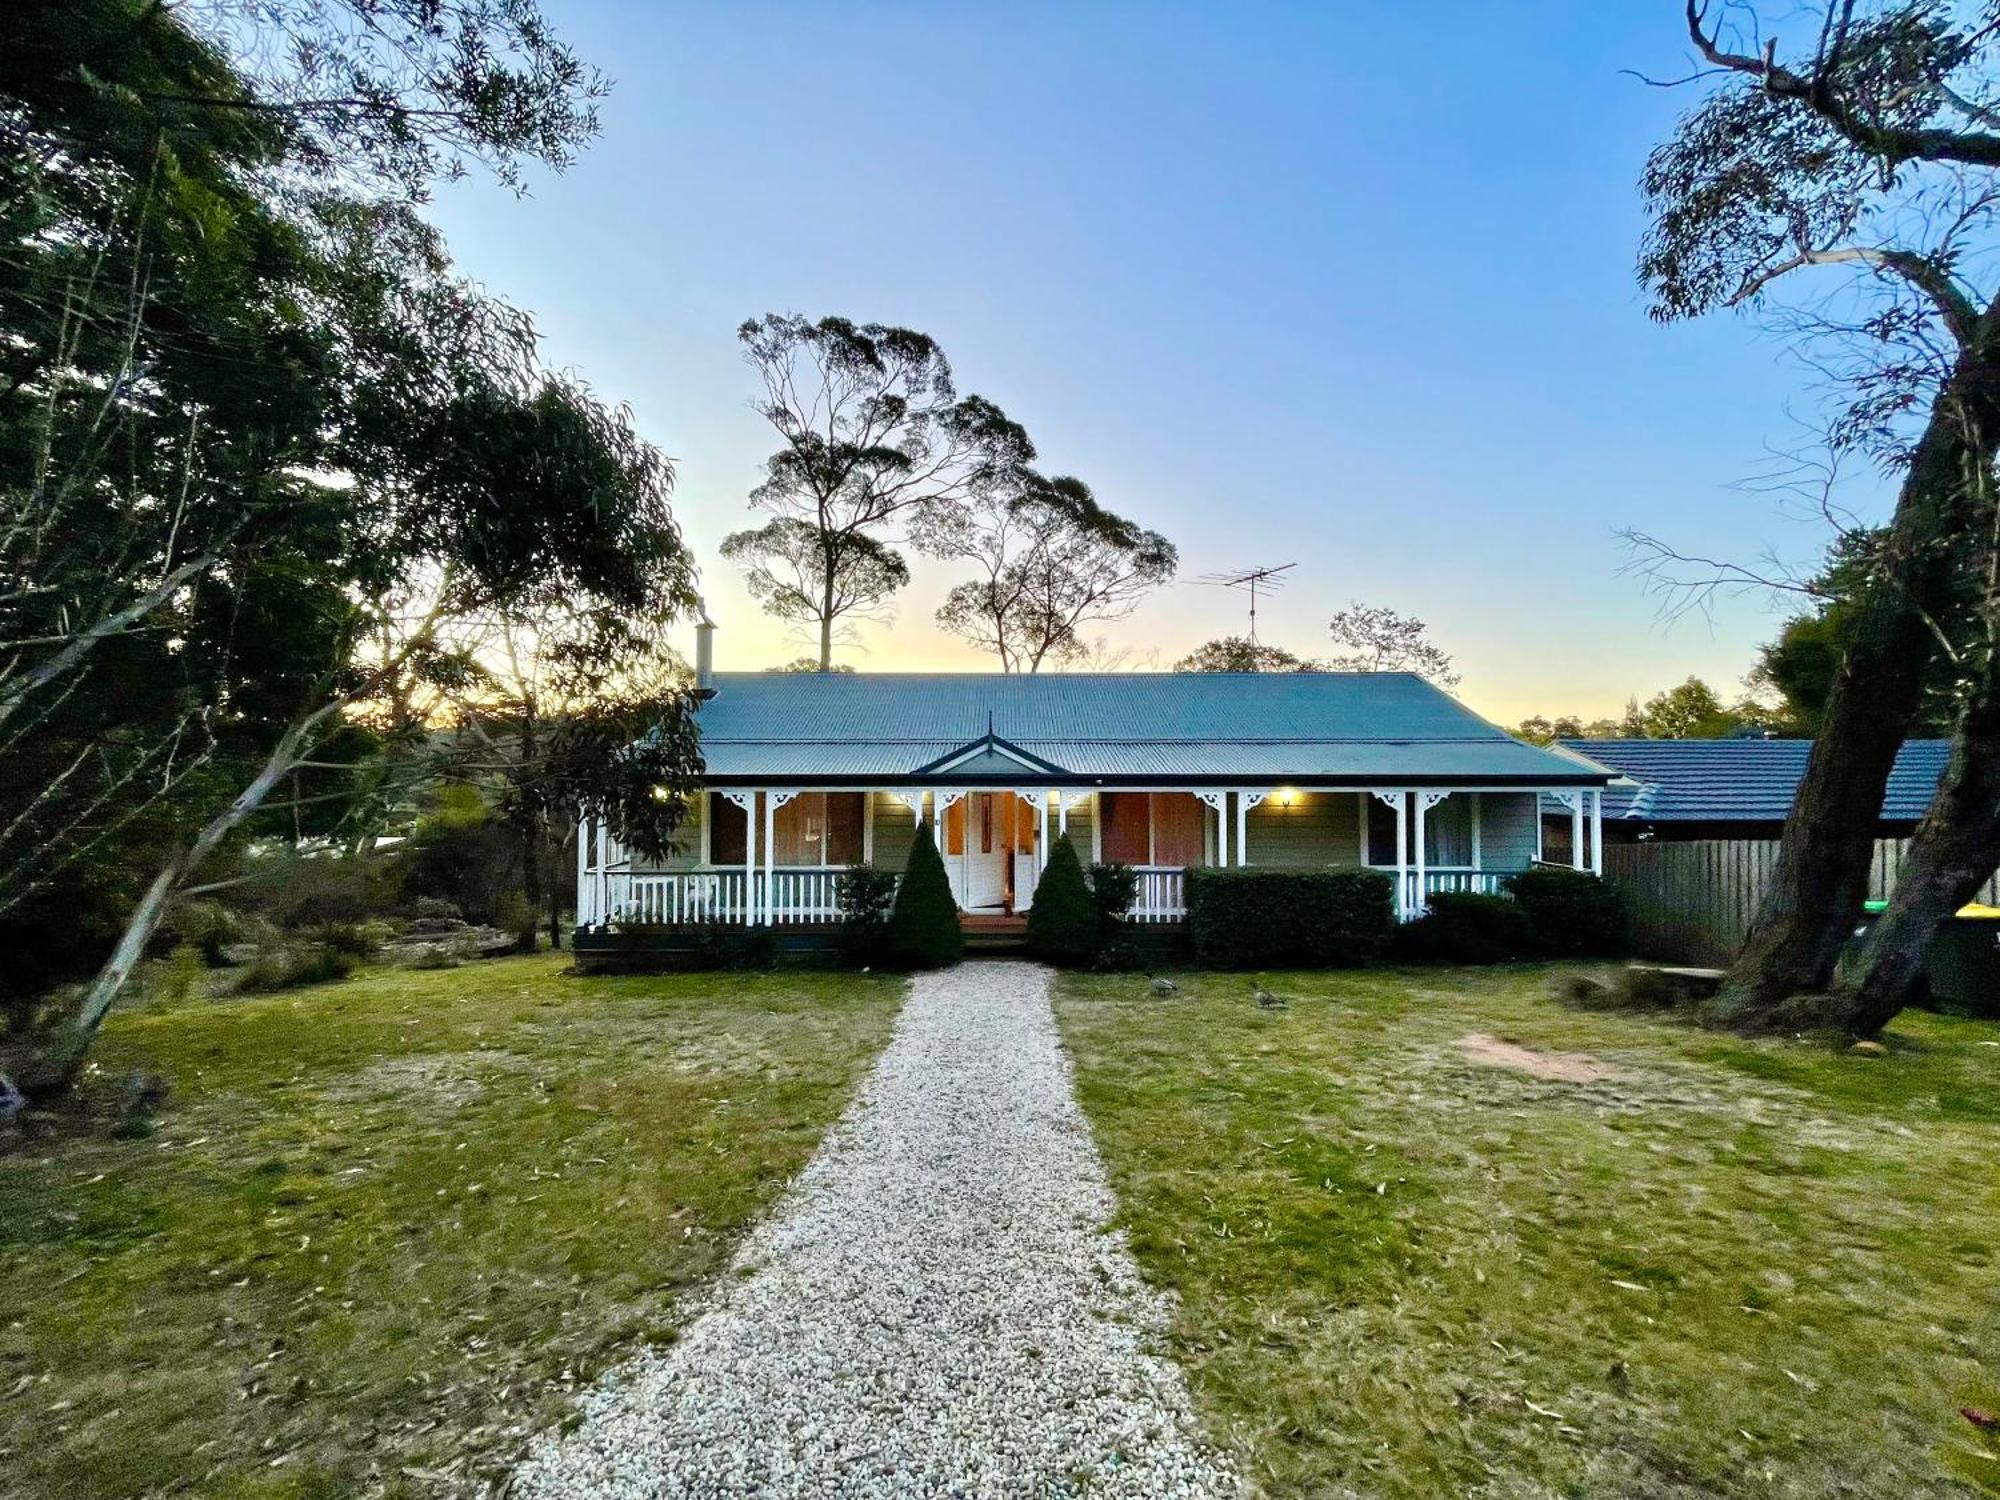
x=1727, y=789
x=808, y=774
x=1692, y=832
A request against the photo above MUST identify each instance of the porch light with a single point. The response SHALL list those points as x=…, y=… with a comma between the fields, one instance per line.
x=1287, y=795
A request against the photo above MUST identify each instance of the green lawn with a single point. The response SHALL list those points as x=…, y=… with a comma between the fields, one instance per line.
x=1728, y=1268
x=384, y=1225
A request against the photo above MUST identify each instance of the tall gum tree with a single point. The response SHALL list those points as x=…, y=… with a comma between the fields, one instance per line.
x=1869, y=159
x=874, y=440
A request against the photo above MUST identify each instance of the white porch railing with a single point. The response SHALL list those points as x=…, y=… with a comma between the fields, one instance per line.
x=699, y=896
x=1162, y=894
x=807, y=894
x=1453, y=883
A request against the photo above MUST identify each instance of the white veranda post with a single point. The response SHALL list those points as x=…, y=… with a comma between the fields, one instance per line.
x=1244, y=802
x=1597, y=832
x=1041, y=830
x=772, y=802
x=1400, y=802
x=748, y=802
x=1220, y=802
x=941, y=802
x=1425, y=802
x=1574, y=802
x=1064, y=802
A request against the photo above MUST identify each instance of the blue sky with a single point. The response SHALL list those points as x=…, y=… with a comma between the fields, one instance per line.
x=1344, y=286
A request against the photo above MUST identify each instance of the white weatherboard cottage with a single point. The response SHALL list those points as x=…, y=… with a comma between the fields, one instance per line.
x=808, y=774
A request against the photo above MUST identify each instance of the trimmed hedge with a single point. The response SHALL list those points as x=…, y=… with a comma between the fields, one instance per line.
x=1272, y=918
x=1573, y=912
x=1062, y=919
x=1464, y=928
x=923, y=925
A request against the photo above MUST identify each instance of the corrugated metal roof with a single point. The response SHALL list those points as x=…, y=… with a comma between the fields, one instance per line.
x=1368, y=728
x=1749, y=781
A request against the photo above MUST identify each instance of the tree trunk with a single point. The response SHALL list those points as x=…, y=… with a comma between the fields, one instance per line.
x=1954, y=853
x=57, y=1064
x=531, y=879
x=555, y=916
x=1822, y=877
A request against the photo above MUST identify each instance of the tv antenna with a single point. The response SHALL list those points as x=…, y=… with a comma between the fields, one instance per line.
x=1253, y=581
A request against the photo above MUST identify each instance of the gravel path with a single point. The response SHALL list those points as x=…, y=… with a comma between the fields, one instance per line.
x=933, y=1310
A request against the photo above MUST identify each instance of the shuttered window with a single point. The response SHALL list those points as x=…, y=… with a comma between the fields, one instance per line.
x=1153, y=828
x=1126, y=838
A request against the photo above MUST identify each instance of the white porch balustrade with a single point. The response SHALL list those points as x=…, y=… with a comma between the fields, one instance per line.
x=1162, y=893
x=790, y=896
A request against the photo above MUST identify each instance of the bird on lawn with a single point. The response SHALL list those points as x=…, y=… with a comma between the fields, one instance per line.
x=1268, y=1000
x=1164, y=988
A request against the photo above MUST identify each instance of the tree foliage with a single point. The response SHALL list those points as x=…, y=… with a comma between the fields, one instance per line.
x=253, y=427
x=1050, y=560
x=873, y=440
x=1368, y=638
x=1238, y=653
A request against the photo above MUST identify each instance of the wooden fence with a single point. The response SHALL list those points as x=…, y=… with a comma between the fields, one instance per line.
x=1692, y=902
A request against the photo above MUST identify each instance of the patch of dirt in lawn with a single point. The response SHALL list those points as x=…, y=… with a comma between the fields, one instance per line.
x=449, y=1079
x=1558, y=1067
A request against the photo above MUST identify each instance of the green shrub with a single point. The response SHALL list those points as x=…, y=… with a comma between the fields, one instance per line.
x=1113, y=889
x=865, y=896
x=291, y=968
x=1465, y=928
x=923, y=924
x=513, y=914
x=1573, y=913
x=436, y=909
x=208, y=927
x=175, y=979
x=296, y=891
x=461, y=854
x=361, y=940
x=1063, y=921
x=1247, y=918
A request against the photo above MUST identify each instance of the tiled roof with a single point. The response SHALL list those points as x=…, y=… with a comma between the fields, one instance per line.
x=1747, y=781
x=1365, y=728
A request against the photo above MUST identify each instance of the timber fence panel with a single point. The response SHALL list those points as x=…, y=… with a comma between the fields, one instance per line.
x=1692, y=901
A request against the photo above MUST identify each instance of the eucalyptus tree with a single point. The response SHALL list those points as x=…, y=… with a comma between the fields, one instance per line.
x=874, y=439
x=1050, y=561
x=1865, y=154
x=1370, y=638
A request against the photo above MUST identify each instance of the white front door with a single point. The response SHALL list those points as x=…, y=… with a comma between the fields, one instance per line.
x=987, y=816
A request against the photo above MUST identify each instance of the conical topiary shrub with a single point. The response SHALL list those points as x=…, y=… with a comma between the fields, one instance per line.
x=923, y=925
x=1062, y=923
